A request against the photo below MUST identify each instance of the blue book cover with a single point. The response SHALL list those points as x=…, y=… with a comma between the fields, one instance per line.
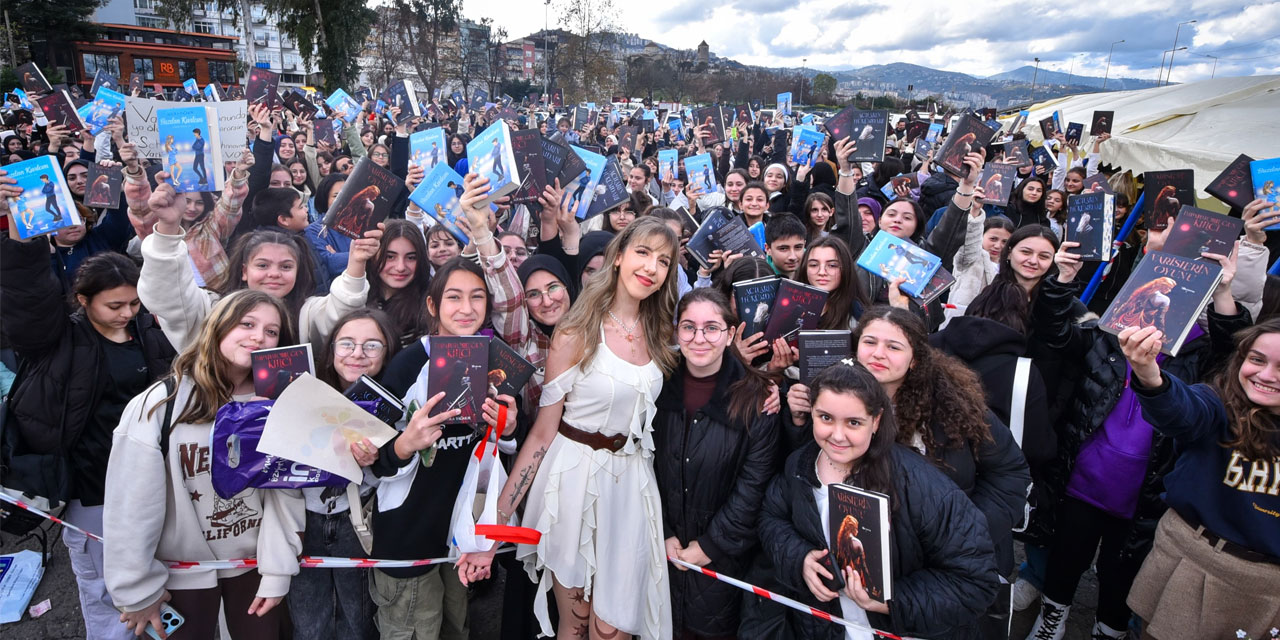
x=23, y=100
x=891, y=257
x=700, y=173
x=428, y=148
x=191, y=149
x=1266, y=184
x=189, y=85
x=45, y=204
x=784, y=103
x=806, y=143
x=668, y=164
x=677, y=128
x=578, y=194
x=490, y=156
x=341, y=105
x=105, y=105
x=935, y=130
x=757, y=230
x=439, y=196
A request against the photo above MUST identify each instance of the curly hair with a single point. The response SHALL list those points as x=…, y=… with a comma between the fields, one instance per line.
x=937, y=390
x=1255, y=431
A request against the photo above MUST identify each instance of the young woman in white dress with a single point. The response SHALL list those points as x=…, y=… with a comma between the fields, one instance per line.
x=587, y=464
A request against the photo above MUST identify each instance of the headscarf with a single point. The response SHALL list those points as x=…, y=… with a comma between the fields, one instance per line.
x=543, y=262
x=873, y=205
x=591, y=245
x=824, y=179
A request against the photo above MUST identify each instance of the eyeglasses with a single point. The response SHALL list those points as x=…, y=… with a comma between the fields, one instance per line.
x=371, y=348
x=516, y=251
x=534, y=296
x=687, y=332
x=378, y=154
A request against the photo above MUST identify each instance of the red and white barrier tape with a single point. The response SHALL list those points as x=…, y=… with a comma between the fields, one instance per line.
x=783, y=600
x=15, y=501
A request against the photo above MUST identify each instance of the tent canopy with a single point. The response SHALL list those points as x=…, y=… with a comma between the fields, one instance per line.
x=1201, y=126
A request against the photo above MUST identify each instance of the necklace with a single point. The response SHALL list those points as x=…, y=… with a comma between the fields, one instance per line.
x=629, y=331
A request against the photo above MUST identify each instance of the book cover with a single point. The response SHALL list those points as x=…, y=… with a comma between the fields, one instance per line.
x=628, y=138
x=677, y=128
x=508, y=372
x=712, y=121
x=526, y=144
x=1048, y=128
x=191, y=87
x=969, y=135
x=192, y=147
x=106, y=105
x=262, y=88
x=668, y=164
x=1196, y=231
x=869, y=131
x=439, y=196
x=1265, y=175
x=941, y=281
x=428, y=148
x=840, y=125
x=700, y=245
x=1101, y=122
x=806, y=143
x=274, y=369
x=45, y=205
x=342, y=105
x=557, y=98
x=390, y=409
x=922, y=148
x=908, y=180
x=579, y=194
x=917, y=129
x=479, y=98
x=821, y=349
x=103, y=186
x=1234, y=185
x=997, y=183
x=754, y=300
x=1090, y=220
x=103, y=78
x=1097, y=183
x=742, y=114
x=611, y=191
x=136, y=84
x=1042, y=157
x=1166, y=192
x=797, y=308
x=580, y=117
x=1019, y=121
x=401, y=94
x=571, y=165
x=33, y=79
x=365, y=199
x=891, y=257
x=1075, y=131
x=935, y=131
x=459, y=368
x=859, y=534
x=700, y=172
x=59, y=110
x=1164, y=291
x=299, y=105
x=554, y=152
x=491, y=157
x=325, y=132
x=784, y=103
x=735, y=237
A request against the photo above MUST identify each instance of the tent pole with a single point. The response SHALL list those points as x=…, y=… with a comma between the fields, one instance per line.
x=1125, y=230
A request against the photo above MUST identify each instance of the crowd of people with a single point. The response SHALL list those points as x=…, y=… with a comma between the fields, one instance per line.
x=652, y=428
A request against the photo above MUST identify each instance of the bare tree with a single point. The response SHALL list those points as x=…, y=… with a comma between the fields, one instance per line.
x=424, y=28
x=384, y=48
x=585, y=58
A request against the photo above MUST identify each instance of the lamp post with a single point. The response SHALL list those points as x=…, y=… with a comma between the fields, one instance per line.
x=803, y=61
x=1175, y=49
x=1072, y=68
x=1108, y=72
x=1034, y=75
x=1215, y=65
x=1167, y=53
x=546, y=55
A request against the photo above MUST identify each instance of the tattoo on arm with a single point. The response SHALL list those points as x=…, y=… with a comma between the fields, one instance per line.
x=526, y=478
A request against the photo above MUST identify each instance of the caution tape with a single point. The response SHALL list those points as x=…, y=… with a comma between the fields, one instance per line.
x=15, y=501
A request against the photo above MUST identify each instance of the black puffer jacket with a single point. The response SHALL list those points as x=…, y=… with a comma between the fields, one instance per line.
x=63, y=374
x=943, y=567
x=712, y=474
x=1097, y=387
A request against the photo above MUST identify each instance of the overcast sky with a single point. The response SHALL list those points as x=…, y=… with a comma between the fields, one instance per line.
x=975, y=38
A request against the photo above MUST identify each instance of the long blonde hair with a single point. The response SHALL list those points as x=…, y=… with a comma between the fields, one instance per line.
x=203, y=359
x=657, y=312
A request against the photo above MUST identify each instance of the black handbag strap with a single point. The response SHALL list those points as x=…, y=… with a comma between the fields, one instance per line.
x=167, y=425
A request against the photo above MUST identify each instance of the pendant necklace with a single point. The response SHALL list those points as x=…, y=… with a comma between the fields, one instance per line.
x=630, y=332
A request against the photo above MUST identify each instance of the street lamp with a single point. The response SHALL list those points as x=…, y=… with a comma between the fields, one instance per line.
x=1176, y=33
x=803, y=61
x=1215, y=65
x=546, y=56
x=1034, y=75
x=1159, y=77
x=1072, y=68
x=1108, y=72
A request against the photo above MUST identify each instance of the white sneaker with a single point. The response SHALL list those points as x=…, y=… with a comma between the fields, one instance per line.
x=1025, y=594
x=1103, y=632
x=1051, y=624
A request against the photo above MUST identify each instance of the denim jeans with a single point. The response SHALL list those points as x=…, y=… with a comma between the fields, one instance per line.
x=327, y=604
x=101, y=619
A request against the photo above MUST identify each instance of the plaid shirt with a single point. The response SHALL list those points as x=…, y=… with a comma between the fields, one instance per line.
x=510, y=318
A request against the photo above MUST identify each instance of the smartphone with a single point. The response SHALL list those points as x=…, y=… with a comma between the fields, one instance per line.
x=836, y=583
x=171, y=620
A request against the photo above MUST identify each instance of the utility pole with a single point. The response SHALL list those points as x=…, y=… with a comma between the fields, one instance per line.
x=1175, y=49
x=8, y=30
x=1108, y=72
x=803, y=61
x=1034, y=75
x=546, y=53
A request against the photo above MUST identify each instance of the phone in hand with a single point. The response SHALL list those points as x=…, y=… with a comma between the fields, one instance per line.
x=836, y=583
x=171, y=620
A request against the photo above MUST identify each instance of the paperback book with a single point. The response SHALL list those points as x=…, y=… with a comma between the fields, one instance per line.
x=742, y=114
x=1090, y=220
x=1164, y=193
x=821, y=349
x=137, y=84
x=969, y=135
x=1101, y=122
x=1075, y=131
x=491, y=157
x=612, y=190
x=325, y=132
x=922, y=148
x=59, y=110
x=526, y=145
x=628, y=138
x=439, y=195
x=389, y=409
x=553, y=156
x=263, y=88
x=365, y=199
x=1265, y=175
x=1234, y=185
x=859, y=533
x=688, y=225
x=191, y=87
x=997, y=183
x=192, y=147
x=700, y=245
x=1164, y=291
x=1097, y=183
x=341, y=105
x=459, y=368
x=668, y=164
x=735, y=237
x=797, y=308
x=572, y=168
x=298, y=105
x=869, y=132
x=580, y=115
x=33, y=79
x=1042, y=157
x=103, y=78
x=941, y=281
x=916, y=130
x=45, y=205
x=428, y=148
x=904, y=180
x=508, y=372
x=98, y=113
x=401, y=94
x=104, y=186
x=1048, y=128
x=754, y=300
x=784, y=103
x=711, y=119
x=935, y=132
x=891, y=257
x=701, y=175
x=1196, y=231
x=579, y=194
x=274, y=369
x=806, y=143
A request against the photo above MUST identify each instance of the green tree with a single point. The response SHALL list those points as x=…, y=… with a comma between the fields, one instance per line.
x=823, y=86
x=331, y=32
x=42, y=27
x=426, y=28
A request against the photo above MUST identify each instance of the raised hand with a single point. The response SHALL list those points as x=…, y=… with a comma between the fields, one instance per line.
x=166, y=206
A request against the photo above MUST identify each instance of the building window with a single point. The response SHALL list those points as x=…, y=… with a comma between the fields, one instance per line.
x=204, y=26
x=222, y=71
x=186, y=69
x=144, y=66
x=98, y=61
x=264, y=57
x=148, y=21
x=148, y=5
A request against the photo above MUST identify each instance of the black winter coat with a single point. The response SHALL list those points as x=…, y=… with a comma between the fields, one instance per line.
x=712, y=472
x=943, y=566
x=62, y=374
x=936, y=192
x=1098, y=382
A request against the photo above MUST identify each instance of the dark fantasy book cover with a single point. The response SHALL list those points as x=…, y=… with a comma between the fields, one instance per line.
x=526, y=144
x=754, y=300
x=821, y=349
x=797, y=308
x=274, y=369
x=365, y=199
x=868, y=131
x=1234, y=185
x=390, y=409
x=1101, y=122
x=1090, y=220
x=712, y=120
x=1164, y=194
x=997, y=183
x=459, y=367
x=104, y=185
x=969, y=135
x=1164, y=291
x=508, y=372
x=859, y=534
x=262, y=88
x=611, y=191
x=1196, y=231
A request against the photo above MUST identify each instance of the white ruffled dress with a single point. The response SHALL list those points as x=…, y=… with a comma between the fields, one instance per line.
x=599, y=512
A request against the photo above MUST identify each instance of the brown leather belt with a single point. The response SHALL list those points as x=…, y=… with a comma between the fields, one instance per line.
x=594, y=439
x=1227, y=546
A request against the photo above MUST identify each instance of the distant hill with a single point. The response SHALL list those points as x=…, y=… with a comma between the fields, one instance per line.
x=1026, y=73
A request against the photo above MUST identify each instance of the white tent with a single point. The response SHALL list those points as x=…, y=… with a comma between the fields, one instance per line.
x=1201, y=126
